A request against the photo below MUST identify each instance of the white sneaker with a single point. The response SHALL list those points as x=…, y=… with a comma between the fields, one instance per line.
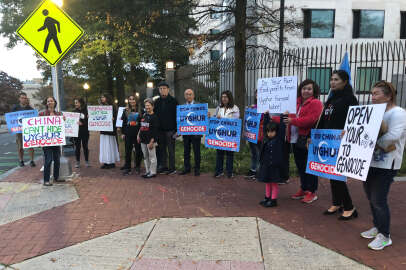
x=370, y=234
x=380, y=242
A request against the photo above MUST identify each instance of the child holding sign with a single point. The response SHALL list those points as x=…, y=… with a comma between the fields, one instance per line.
x=271, y=159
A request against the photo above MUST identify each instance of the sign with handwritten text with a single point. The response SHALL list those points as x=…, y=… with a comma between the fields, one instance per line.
x=15, y=120
x=71, y=124
x=43, y=131
x=277, y=94
x=358, y=143
x=100, y=118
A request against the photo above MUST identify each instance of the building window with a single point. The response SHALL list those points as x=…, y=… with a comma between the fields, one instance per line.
x=367, y=77
x=214, y=31
x=321, y=76
x=368, y=23
x=318, y=23
x=214, y=55
x=403, y=24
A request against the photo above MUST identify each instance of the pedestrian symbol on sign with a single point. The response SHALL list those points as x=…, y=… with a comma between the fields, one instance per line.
x=50, y=24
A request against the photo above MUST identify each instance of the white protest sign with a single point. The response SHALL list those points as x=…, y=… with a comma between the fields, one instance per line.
x=119, y=122
x=277, y=94
x=71, y=124
x=357, y=145
x=100, y=118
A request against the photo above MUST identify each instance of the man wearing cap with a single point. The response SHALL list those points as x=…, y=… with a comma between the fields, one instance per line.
x=189, y=140
x=165, y=109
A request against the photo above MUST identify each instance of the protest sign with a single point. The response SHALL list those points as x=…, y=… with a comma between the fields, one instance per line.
x=252, y=120
x=323, y=152
x=119, y=121
x=192, y=119
x=357, y=145
x=277, y=94
x=71, y=124
x=100, y=118
x=43, y=131
x=224, y=134
x=15, y=120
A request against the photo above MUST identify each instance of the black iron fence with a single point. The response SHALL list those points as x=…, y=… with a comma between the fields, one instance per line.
x=369, y=63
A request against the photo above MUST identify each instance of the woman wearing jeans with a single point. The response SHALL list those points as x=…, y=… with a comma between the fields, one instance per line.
x=386, y=161
x=227, y=109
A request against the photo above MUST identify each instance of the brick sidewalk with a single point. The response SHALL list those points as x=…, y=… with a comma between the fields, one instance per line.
x=110, y=202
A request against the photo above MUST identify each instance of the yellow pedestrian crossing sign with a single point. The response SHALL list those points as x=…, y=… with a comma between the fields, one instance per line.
x=50, y=31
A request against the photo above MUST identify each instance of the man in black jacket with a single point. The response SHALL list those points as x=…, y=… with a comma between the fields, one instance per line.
x=165, y=110
x=24, y=105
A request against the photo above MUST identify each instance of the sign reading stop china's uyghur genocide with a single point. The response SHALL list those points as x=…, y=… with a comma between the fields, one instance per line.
x=323, y=152
x=100, y=118
x=277, y=94
x=224, y=134
x=43, y=131
x=15, y=119
x=358, y=143
x=252, y=119
x=192, y=119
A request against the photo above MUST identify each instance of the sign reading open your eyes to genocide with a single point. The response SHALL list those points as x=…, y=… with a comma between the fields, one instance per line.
x=357, y=145
x=71, y=124
x=224, y=134
x=15, y=120
x=277, y=94
x=323, y=152
x=252, y=119
x=100, y=118
x=43, y=131
x=192, y=119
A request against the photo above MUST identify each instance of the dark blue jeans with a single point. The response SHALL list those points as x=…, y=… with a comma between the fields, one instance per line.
x=51, y=153
x=308, y=182
x=220, y=161
x=255, y=148
x=377, y=188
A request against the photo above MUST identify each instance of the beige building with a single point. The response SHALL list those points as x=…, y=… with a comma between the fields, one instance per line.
x=31, y=88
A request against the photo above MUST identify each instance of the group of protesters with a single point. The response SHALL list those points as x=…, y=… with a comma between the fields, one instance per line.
x=150, y=132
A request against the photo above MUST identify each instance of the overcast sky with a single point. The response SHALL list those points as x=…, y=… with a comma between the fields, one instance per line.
x=18, y=62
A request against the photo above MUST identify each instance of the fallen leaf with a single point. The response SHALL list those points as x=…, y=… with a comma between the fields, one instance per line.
x=52, y=260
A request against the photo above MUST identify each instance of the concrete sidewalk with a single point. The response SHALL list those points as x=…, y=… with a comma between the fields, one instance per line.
x=103, y=220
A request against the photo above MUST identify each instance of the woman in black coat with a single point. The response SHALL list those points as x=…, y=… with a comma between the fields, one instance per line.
x=333, y=117
x=83, y=136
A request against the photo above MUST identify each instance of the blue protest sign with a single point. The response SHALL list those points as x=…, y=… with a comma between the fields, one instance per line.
x=224, y=134
x=14, y=119
x=192, y=119
x=252, y=120
x=323, y=152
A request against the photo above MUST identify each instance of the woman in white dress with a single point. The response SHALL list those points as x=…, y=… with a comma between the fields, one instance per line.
x=108, y=139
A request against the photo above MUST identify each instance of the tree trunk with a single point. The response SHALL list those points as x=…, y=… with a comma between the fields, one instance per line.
x=109, y=75
x=240, y=50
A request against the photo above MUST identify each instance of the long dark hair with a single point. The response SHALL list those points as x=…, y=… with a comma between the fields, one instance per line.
x=230, y=99
x=81, y=101
x=345, y=77
x=316, y=88
x=46, y=102
x=109, y=99
x=136, y=103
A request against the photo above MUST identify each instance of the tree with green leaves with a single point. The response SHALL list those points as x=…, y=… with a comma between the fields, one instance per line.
x=9, y=89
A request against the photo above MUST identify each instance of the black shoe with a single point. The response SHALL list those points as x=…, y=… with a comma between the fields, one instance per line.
x=21, y=163
x=125, y=167
x=184, y=172
x=104, y=166
x=250, y=174
x=137, y=170
x=230, y=175
x=170, y=172
x=32, y=163
x=150, y=176
x=48, y=184
x=112, y=165
x=127, y=172
x=328, y=213
x=145, y=175
x=264, y=201
x=352, y=216
x=197, y=172
x=271, y=203
x=162, y=171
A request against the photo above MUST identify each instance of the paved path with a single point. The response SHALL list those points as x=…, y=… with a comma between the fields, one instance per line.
x=109, y=202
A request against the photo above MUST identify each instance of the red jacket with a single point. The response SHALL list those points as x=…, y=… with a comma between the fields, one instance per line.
x=308, y=116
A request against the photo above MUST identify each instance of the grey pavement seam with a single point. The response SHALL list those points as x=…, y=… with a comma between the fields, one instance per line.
x=146, y=239
x=260, y=242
